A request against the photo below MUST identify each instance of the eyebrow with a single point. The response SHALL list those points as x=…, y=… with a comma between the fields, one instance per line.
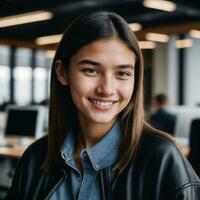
x=94, y=63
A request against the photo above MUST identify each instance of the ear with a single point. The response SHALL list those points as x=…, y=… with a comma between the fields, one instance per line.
x=61, y=73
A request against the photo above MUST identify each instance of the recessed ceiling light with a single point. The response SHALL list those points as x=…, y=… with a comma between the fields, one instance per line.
x=135, y=26
x=195, y=33
x=184, y=43
x=50, y=53
x=52, y=39
x=160, y=5
x=157, y=37
x=25, y=18
x=147, y=44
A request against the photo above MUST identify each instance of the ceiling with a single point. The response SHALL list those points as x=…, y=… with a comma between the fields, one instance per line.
x=186, y=16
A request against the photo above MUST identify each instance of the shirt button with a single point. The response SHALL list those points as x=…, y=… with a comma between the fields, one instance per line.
x=97, y=166
x=79, y=179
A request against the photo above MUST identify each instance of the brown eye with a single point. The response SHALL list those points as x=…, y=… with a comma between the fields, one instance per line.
x=90, y=71
x=123, y=74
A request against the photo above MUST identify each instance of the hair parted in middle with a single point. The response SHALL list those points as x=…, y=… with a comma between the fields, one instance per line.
x=62, y=115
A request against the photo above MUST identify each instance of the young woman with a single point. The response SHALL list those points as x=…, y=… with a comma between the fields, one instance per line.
x=99, y=147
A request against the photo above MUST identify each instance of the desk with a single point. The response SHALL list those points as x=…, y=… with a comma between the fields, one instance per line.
x=17, y=151
x=183, y=143
x=18, y=148
x=185, y=150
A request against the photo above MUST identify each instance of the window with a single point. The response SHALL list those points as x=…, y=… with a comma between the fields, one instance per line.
x=40, y=76
x=22, y=74
x=4, y=75
x=4, y=84
x=40, y=85
x=22, y=86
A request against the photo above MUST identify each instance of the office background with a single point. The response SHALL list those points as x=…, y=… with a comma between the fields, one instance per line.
x=170, y=68
x=168, y=34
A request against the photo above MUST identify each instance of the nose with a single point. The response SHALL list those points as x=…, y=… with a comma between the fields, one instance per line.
x=106, y=86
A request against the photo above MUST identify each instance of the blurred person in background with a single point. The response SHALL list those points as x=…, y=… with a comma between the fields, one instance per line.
x=161, y=118
x=99, y=147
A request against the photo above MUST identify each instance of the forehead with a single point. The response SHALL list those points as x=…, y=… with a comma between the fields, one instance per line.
x=111, y=49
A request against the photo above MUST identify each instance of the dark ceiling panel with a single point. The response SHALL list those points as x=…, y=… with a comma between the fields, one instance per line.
x=65, y=10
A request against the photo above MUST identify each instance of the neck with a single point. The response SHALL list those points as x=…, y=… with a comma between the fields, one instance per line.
x=91, y=134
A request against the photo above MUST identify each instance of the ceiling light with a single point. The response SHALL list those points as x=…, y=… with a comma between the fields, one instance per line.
x=185, y=43
x=160, y=5
x=195, y=33
x=135, y=26
x=50, y=53
x=157, y=37
x=25, y=18
x=147, y=44
x=52, y=39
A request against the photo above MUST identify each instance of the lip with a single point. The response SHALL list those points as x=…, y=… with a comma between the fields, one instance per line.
x=102, y=104
x=103, y=100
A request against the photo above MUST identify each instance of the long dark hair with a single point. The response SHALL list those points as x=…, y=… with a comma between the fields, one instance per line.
x=82, y=31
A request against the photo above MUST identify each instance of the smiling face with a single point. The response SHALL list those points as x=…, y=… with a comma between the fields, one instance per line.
x=101, y=80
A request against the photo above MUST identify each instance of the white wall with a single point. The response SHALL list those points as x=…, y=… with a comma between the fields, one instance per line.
x=4, y=55
x=172, y=72
x=159, y=69
x=192, y=74
x=165, y=72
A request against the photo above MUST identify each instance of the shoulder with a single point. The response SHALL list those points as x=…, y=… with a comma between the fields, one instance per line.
x=36, y=152
x=163, y=113
x=28, y=175
x=161, y=147
x=168, y=114
x=155, y=141
x=158, y=147
x=166, y=160
x=39, y=145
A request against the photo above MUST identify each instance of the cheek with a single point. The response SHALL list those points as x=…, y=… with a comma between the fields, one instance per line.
x=77, y=90
x=80, y=87
x=126, y=91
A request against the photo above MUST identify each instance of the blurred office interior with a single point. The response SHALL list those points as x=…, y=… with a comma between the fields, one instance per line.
x=168, y=34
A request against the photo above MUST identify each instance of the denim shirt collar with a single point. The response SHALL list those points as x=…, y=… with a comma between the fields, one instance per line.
x=102, y=154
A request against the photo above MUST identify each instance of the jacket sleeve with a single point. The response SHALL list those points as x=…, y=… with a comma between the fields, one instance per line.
x=188, y=192
x=167, y=172
x=20, y=176
x=183, y=181
x=30, y=181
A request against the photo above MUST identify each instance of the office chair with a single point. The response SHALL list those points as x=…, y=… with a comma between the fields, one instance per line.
x=194, y=142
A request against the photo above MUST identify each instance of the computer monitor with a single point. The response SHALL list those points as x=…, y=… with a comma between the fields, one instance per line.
x=184, y=117
x=24, y=121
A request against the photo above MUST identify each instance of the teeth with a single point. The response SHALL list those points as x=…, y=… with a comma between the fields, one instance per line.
x=101, y=103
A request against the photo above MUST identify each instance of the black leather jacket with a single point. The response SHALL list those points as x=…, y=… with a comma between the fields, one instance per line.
x=159, y=172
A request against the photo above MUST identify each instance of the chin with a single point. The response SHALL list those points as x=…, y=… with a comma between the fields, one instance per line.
x=103, y=120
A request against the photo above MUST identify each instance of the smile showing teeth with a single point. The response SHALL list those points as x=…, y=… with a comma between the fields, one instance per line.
x=101, y=103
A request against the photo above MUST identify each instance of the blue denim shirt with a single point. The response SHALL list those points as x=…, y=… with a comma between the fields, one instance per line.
x=102, y=155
